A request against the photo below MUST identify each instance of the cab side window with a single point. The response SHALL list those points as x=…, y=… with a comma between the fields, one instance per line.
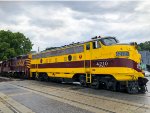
x=96, y=45
x=88, y=46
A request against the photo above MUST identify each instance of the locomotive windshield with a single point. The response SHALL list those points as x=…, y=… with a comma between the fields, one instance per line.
x=109, y=41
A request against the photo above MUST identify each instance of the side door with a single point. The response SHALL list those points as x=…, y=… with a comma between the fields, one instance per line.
x=87, y=63
x=96, y=52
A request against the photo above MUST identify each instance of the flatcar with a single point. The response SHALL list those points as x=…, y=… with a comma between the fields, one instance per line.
x=102, y=62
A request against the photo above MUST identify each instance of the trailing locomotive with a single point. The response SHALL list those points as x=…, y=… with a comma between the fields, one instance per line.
x=16, y=67
x=99, y=63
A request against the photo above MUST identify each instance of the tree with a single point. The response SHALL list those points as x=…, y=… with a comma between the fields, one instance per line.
x=144, y=46
x=13, y=44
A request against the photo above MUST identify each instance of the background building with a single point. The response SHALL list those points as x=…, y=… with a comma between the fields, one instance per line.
x=146, y=59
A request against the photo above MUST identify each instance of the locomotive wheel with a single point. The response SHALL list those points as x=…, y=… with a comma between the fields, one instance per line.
x=39, y=77
x=96, y=83
x=142, y=89
x=45, y=77
x=111, y=85
x=132, y=87
x=142, y=85
x=82, y=80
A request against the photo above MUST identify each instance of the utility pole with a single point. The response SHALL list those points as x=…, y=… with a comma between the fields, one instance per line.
x=38, y=49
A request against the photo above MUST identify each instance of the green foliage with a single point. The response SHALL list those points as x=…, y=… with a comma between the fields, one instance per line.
x=144, y=46
x=13, y=44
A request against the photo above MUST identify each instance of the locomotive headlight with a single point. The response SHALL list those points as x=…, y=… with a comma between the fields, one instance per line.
x=122, y=53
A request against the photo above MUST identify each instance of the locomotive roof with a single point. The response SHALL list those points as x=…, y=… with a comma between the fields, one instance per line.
x=62, y=47
x=73, y=44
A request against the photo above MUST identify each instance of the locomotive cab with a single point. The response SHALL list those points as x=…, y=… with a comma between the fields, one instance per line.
x=120, y=61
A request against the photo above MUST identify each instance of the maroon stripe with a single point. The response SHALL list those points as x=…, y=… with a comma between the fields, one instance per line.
x=115, y=62
x=87, y=63
x=33, y=65
x=74, y=64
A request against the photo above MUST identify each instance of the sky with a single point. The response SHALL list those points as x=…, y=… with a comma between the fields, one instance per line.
x=58, y=23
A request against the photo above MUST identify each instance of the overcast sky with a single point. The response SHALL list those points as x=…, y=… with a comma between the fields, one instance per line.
x=50, y=24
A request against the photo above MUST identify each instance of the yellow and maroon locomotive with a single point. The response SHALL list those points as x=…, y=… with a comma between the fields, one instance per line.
x=100, y=62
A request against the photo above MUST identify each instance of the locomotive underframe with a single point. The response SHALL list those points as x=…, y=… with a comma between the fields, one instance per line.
x=99, y=82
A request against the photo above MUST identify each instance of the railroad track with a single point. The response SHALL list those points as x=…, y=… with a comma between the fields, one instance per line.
x=100, y=101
